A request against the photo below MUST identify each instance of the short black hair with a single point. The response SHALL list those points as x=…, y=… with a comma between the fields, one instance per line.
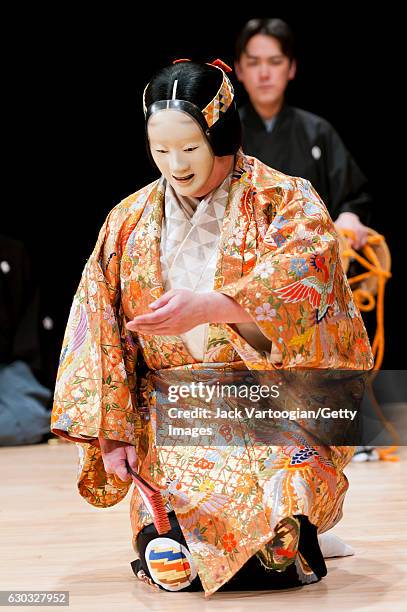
x=277, y=28
x=198, y=84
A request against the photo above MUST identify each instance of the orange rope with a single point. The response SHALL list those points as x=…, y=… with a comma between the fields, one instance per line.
x=366, y=302
x=386, y=454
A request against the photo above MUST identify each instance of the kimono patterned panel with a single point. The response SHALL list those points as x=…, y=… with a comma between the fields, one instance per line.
x=278, y=258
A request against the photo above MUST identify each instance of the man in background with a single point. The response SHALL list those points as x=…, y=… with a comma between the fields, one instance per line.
x=290, y=139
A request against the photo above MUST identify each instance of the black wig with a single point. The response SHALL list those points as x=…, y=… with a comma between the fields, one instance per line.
x=197, y=84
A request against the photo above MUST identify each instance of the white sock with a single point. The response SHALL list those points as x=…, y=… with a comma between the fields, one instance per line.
x=332, y=546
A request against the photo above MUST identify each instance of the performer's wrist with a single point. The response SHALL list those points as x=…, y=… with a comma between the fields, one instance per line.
x=207, y=305
x=220, y=308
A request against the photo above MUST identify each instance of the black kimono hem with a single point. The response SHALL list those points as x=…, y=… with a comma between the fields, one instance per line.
x=308, y=565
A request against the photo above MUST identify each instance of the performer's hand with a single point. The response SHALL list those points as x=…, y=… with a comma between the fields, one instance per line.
x=350, y=221
x=179, y=310
x=114, y=455
x=175, y=312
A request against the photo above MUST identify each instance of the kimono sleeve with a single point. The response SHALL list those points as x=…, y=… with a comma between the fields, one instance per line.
x=297, y=292
x=95, y=393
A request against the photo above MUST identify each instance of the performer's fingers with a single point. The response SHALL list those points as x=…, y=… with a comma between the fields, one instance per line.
x=119, y=482
x=151, y=318
x=162, y=300
x=107, y=467
x=122, y=473
x=167, y=324
x=157, y=330
x=132, y=457
x=150, y=329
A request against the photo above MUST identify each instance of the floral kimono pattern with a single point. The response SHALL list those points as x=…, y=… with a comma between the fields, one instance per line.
x=278, y=257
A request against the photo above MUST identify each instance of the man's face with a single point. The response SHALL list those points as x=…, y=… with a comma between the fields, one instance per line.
x=264, y=70
x=180, y=150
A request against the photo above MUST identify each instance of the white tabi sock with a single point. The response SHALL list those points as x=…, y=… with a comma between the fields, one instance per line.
x=332, y=546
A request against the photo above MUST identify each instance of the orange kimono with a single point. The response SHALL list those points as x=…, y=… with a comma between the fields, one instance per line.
x=278, y=258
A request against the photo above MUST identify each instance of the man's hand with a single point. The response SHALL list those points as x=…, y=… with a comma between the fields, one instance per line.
x=114, y=455
x=179, y=310
x=350, y=221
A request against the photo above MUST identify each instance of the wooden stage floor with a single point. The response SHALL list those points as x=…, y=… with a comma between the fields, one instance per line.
x=52, y=539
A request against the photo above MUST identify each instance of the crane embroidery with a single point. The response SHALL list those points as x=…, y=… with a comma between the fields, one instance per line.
x=319, y=293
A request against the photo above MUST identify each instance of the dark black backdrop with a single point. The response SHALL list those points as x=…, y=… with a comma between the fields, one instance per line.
x=77, y=133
